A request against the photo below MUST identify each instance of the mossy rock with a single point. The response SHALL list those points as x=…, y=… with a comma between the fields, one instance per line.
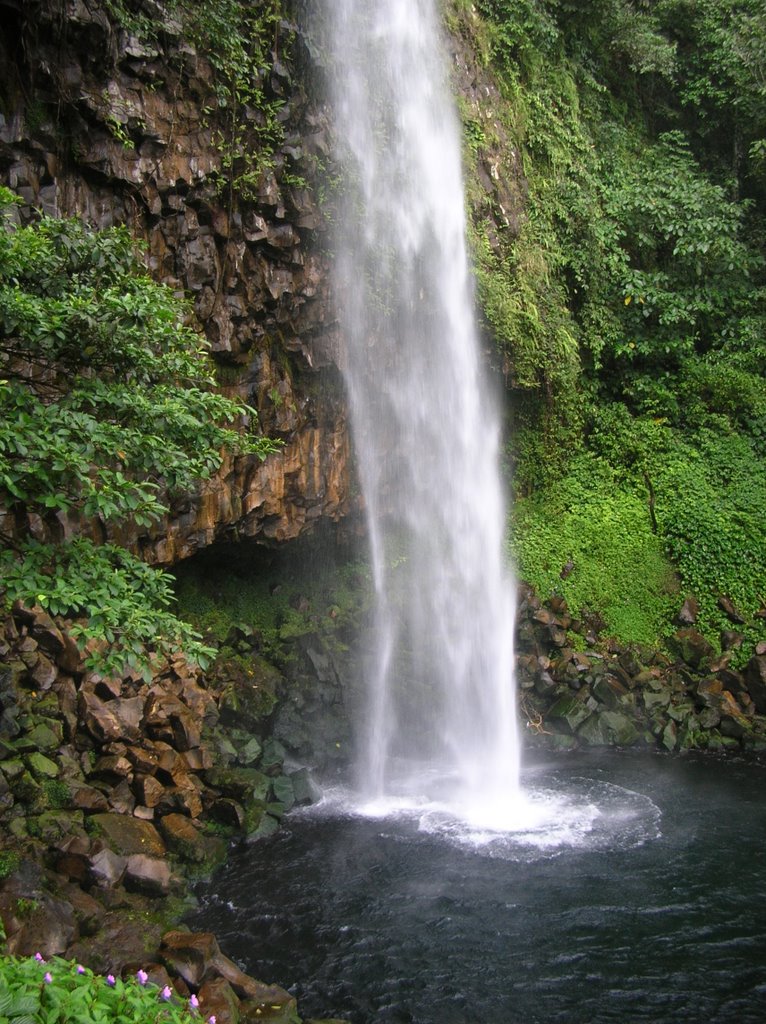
x=244, y=784
x=46, y=735
x=203, y=852
x=284, y=792
x=249, y=690
x=52, y=826
x=571, y=709
x=27, y=790
x=267, y=826
x=42, y=767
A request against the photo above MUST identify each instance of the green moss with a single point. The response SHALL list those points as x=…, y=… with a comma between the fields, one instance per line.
x=9, y=862
x=250, y=600
x=56, y=793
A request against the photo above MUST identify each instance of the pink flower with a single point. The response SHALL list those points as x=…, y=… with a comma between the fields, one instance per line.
x=48, y=978
x=211, y=1019
x=193, y=1002
x=39, y=958
x=110, y=979
x=80, y=969
x=166, y=993
x=142, y=976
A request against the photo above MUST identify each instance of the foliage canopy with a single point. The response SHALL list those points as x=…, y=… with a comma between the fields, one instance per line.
x=629, y=302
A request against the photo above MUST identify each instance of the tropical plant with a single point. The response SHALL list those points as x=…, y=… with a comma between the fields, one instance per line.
x=108, y=411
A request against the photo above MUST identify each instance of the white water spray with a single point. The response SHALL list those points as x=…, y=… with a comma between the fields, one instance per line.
x=425, y=426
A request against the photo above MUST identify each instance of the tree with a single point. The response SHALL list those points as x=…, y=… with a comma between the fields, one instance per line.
x=107, y=408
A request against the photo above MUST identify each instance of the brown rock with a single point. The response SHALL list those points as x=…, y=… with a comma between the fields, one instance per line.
x=689, y=612
x=128, y=835
x=692, y=646
x=87, y=798
x=111, y=720
x=167, y=718
x=49, y=928
x=121, y=799
x=181, y=836
x=218, y=999
x=189, y=954
x=149, y=790
x=727, y=606
x=149, y=875
x=270, y=1002
x=73, y=858
x=43, y=672
x=144, y=760
x=45, y=631
x=69, y=659
x=106, y=868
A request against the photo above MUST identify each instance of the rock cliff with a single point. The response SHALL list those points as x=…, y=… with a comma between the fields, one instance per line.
x=122, y=126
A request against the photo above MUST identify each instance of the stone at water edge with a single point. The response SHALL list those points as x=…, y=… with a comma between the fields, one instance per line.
x=622, y=729
x=670, y=736
x=218, y=999
x=305, y=789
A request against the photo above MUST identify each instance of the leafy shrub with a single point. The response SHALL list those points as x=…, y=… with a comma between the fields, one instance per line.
x=600, y=530
x=107, y=409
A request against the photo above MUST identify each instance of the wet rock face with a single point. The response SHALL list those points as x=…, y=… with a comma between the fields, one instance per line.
x=102, y=125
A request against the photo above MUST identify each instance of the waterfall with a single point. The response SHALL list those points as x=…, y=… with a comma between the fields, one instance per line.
x=426, y=428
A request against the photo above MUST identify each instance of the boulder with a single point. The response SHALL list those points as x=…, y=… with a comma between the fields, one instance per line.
x=189, y=955
x=185, y=840
x=106, y=868
x=689, y=612
x=111, y=720
x=572, y=709
x=149, y=875
x=609, y=691
x=72, y=858
x=168, y=718
x=127, y=836
x=47, y=927
x=271, y=1003
x=728, y=608
x=218, y=999
x=692, y=646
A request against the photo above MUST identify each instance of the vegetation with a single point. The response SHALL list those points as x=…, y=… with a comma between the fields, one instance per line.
x=629, y=300
x=36, y=991
x=108, y=411
x=267, y=601
x=240, y=40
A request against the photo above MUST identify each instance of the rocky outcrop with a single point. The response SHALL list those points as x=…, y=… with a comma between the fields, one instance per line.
x=121, y=785
x=607, y=695
x=101, y=123
x=114, y=791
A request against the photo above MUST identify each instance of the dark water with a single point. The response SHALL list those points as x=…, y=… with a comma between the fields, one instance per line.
x=654, y=911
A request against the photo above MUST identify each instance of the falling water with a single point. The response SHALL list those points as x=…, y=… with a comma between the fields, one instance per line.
x=426, y=429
